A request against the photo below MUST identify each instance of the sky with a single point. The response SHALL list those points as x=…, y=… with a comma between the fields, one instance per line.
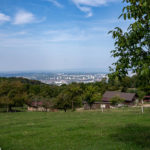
x=50, y=35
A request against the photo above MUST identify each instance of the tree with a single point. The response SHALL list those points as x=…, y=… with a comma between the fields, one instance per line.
x=116, y=100
x=96, y=97
x=74, y=93
x=91, y=95
x=12, y=93
x=114, y=83
x=63, y=101
x=4, y=90
x=69, y=98
x=141, y=94
x=132, y=48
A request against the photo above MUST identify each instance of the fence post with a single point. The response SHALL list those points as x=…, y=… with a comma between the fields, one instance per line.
x=142, y=107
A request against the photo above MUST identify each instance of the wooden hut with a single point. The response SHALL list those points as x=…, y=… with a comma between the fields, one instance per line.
x=146, y=98
x=38, y=106
x=95, y=105
x=129, y=98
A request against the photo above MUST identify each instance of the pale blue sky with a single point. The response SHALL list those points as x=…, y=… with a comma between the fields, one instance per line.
x=57, y=34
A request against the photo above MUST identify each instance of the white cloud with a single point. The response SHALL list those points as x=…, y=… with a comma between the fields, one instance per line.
x=85, y=9
x=93, y=3
x=4, y=18
x=23, y=17
x=56, y=3
x=85, y=5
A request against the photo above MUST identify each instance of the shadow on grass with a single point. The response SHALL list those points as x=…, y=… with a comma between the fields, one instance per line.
x=134, y=134
x=13, y=109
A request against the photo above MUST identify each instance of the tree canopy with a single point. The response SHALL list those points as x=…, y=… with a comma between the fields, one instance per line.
x=18, y=92
x=132, y=47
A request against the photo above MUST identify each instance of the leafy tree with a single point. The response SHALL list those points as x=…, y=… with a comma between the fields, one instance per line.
x=101, y=86
x=4, y=90
x=96, y=97
x=74, y=93
x=141, y=94
x=35, y=89
x=116, y=100
x=114, y=83
x=63, y=101
x=12, y=94
x=132, y=48
x=91, y=95
x=49, y=91
x=69, y=98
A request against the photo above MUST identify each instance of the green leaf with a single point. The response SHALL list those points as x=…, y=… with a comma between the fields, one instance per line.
x=124, y=16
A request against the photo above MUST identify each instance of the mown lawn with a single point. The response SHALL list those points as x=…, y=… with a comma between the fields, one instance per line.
x=90, y=130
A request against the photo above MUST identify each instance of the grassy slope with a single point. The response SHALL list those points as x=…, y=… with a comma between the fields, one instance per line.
x=113, y=130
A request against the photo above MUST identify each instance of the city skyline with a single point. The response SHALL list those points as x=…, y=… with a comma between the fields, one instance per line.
x=58, y=78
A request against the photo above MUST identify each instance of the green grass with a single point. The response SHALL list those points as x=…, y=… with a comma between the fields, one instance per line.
x=119, y=129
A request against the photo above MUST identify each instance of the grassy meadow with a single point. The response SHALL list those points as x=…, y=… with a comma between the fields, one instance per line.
x=118, y=129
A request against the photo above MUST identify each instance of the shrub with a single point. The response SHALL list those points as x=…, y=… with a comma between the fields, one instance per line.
x=116, y=100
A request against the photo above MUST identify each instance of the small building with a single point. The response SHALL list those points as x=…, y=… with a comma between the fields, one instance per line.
x=95, y=105
x=38, y=106
x=129, y=98
x=146, y=98
x=105, y=103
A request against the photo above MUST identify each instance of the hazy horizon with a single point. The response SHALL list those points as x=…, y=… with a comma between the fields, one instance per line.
x=77, y=70
x=57, y=35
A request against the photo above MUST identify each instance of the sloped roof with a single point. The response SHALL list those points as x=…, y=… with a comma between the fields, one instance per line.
x=110, y=94
x=36, y=104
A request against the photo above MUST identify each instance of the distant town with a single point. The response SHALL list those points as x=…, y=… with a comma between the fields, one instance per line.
x=58, y=78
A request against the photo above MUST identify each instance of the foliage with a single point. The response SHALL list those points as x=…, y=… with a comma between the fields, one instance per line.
x=116, y=100
x=91, y=95
x=18, y=91
x=63, y=101
x=12, y=93
x=141, y=94
x=132, y=48
x=70, y=97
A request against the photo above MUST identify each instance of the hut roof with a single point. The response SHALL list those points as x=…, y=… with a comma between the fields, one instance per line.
x=96, y=102
x=36, y=104
x=110, y=94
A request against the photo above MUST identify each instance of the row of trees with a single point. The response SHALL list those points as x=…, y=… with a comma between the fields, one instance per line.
x=19, y=91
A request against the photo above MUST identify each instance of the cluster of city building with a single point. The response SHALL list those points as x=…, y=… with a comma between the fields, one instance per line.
x=64, y=78
x=59, y=78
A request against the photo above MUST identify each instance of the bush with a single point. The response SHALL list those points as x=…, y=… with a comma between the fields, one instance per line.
x=116, y=100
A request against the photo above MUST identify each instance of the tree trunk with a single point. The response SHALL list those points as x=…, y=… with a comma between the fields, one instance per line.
x=10, y=108
x=72, y=105
x=7, y=108
x=90, y=106
x=73, y=109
